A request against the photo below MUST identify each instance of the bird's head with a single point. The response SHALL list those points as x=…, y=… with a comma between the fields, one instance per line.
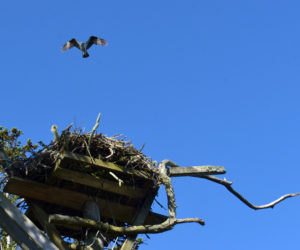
x=54, y=128
x=54, y=131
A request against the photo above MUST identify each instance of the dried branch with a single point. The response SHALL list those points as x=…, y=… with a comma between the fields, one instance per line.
x=120, y=181
x=68, y=128
x=161, y=205
x=228, y=184
x=105, y=227
x=111, y=153
x=94, y=129
x=188, y=220
x=88, y=150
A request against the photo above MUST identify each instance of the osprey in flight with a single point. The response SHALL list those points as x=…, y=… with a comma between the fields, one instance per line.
x=84, y=46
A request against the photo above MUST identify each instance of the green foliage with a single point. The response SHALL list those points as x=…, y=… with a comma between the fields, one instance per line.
x=137, y=243
x=10, y=142
x=117, y=245
x=5, y=245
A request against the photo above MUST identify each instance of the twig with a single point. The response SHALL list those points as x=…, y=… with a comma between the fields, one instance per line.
x=117, y=178
x=20, y=202
x=161, y=205
x=68, y=128
x=217, y=180
x=228, y=184
x=142, y=147
x=94, y=240
x=111, y=153
x=94, y=129
x=89, y=152
x=115, y=243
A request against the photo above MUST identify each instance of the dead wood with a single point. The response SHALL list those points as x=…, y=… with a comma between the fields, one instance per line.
x=228, y=184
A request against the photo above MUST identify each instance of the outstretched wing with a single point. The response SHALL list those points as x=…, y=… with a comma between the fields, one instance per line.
x=73, y=42
x=95, y=40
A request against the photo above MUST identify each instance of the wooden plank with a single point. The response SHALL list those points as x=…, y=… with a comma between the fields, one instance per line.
x=140, y=218
x=197, y=171
x=99, y=183
x=24, y=232
x=103, y=164
x=50, y=229
x=51, y=179
x=73, y=200
x=16, y=233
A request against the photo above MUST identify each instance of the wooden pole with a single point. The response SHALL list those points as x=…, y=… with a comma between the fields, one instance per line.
x=141, y=215
x=50, y=229
x=91, y=211
x=22, y=230
x=197, y=171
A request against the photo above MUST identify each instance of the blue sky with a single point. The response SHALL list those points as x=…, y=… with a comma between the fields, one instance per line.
x=200, y=82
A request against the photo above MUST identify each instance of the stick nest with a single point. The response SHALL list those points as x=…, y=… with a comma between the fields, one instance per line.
x=114, y=149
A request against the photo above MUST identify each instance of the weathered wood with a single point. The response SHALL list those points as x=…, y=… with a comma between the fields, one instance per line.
x=74, y=200
x=140, y=218
x=50, y=229
x=52, y=179
x=197, y=171
x=24, y=232
x=120, y=230
x=16, y=232
x=91, y=211
x=103, y=164
x=99, y=183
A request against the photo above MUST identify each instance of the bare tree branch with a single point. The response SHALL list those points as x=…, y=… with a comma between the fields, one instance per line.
x=228, y=184
x=105, y=227
x=188, y=220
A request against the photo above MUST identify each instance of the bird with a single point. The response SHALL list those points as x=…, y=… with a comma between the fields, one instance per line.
x=54, y=131
x=84, y=46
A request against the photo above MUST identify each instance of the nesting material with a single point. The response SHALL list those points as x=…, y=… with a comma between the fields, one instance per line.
x=115, y=149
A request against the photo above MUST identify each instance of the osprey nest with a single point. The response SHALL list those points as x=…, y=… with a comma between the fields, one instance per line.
x=76, y=167
x=115, y=149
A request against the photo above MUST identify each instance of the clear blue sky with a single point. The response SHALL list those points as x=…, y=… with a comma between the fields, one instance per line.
x=200, y=82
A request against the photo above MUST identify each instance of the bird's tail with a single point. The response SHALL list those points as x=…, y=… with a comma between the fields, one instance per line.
x=84, y=55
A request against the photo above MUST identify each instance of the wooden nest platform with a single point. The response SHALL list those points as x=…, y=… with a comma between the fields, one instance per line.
x=79, y=167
